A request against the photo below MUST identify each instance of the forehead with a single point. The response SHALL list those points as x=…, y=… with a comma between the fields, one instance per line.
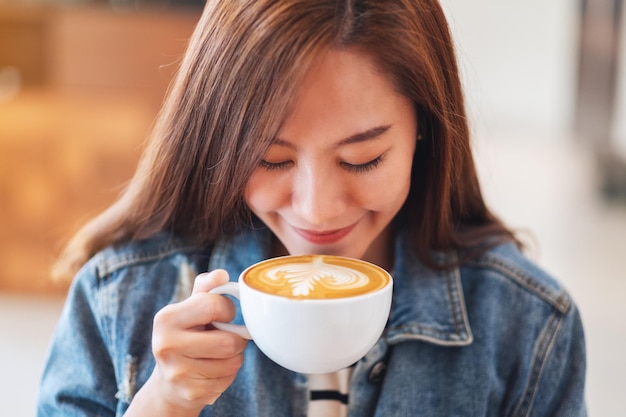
x=342, y=92
x=339, y=70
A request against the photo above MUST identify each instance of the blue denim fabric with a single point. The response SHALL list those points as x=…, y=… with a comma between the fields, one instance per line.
x=496, y=337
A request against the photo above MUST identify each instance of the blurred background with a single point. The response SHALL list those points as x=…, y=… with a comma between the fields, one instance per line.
x=81, y=82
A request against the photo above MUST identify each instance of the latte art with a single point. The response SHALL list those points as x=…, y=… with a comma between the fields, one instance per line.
x=303, y=278
x=316, y=277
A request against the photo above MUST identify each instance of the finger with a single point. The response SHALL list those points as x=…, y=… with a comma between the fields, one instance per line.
x=178, y=366
x=216, y=368
x=214, y=344
x=208, y=344
x=196, y=311
x=209, y=280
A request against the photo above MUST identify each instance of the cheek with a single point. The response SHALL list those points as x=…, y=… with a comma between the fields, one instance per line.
x=262, y=194
x=389, y=192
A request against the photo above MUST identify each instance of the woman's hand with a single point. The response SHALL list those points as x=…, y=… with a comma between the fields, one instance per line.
x=195, y=363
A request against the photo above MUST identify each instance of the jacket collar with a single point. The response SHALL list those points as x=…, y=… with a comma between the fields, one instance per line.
x=427, y=305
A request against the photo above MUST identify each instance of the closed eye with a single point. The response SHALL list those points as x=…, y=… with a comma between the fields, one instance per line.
x=356, y=168
x=271, y=166
x=360, y=168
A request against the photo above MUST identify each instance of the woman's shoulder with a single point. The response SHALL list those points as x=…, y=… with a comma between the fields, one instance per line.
x=507, y=265
x=525, y=314
x=154, y=258
x=158, y=248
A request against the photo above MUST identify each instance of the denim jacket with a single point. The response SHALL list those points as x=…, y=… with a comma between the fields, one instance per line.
x=495, y=337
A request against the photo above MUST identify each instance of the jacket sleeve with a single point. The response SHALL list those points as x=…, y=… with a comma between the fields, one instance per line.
x=559, y=387
x=78, y=377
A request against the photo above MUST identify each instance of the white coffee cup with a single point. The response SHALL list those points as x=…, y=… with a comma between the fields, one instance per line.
x=311, y=333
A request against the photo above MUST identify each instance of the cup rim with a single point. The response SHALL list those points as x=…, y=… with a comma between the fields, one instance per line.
x=336, y=300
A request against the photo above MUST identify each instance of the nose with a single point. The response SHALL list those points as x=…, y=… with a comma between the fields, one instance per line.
x=319, y=195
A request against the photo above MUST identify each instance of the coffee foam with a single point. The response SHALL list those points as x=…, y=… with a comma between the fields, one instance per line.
x=316, y=277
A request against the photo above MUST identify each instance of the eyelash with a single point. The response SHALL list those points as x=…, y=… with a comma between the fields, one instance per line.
x=368, y=166
x=360, y=168
x=271, y=166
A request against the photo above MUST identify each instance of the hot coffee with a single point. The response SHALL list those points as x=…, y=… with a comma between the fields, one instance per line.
x=316, y=277
x=312, y=313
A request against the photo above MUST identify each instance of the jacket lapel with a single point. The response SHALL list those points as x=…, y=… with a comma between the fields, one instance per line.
x=428, y=305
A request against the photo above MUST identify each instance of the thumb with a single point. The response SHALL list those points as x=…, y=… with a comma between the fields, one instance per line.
x=209, y=280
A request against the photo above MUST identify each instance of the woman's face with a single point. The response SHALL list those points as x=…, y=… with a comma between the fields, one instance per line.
x=340, y=168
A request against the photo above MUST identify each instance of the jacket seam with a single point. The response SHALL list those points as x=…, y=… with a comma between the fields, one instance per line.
x=452, y=301
x=540, y=358
x=107, y=265
x=458, y=307
x=559, y=301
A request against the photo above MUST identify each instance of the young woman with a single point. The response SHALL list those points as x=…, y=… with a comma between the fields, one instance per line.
x=311, y=126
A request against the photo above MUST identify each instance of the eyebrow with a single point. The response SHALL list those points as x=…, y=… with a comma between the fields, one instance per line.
x=369, y=134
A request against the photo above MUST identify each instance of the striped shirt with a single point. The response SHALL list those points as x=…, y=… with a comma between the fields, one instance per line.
x=328, y=394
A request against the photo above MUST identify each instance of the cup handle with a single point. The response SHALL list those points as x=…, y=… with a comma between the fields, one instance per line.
x=232, y=289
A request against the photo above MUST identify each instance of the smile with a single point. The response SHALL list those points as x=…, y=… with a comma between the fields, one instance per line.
x=324, y=237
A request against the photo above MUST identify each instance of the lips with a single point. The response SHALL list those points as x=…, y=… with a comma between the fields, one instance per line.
x=324, y=237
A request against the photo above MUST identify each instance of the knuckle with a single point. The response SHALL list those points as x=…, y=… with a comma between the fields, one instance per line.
x=193, y=393
x=162, y=347
x=176, y=377
x=163, y=317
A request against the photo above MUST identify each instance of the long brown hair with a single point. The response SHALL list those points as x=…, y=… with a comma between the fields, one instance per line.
x=233, y=91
